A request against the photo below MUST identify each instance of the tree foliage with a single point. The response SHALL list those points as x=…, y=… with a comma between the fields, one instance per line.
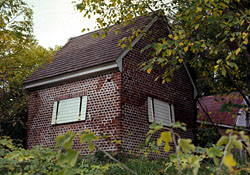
x=212, y=36
x=20, y=55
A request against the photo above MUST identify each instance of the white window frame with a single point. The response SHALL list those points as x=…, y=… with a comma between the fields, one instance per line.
x=155, y=112
x=69, y=110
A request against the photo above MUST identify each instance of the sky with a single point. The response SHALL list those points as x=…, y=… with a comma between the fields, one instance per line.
x=56, y=21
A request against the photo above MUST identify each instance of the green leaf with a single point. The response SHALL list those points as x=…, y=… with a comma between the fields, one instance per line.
x=95, y=35
x=65, y=140
x=222, y=141
x=237, y=144
x=223, y=71
x=232, y=64
x=186, y=145
x=179, y=125
x=156, y=126
x=148, y=137
x=72, y=157
x=194, y=162
x=89, y=137
x=214, y=152
x=168, y=53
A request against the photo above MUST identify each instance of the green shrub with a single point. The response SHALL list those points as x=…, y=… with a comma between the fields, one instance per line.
x=206, y=137
x=220, y=158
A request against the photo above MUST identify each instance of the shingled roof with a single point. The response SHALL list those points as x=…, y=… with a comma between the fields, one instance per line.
x=213, y=106
x=84, y=51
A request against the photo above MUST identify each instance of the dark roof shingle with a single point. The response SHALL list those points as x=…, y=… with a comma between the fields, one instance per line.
x=84, y=51
x=213, y=105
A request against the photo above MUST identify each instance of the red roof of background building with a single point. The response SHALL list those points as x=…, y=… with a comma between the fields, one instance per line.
x=213, y=105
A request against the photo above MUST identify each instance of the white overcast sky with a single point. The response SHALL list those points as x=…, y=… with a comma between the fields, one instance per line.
x=55, y=21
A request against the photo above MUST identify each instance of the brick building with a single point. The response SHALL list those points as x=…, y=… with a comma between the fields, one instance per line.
x=225, y=111
x=94, y=84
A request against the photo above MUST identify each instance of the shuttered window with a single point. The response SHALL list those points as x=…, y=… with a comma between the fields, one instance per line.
x=160, y=112
x=69, y=110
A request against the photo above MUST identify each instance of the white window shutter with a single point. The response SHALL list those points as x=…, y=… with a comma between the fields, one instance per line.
x=54, y=113
x=68, y=110
x=162, y=112
x=241, y=118
x=172, y=110
x=150, y=110
x=83, y=111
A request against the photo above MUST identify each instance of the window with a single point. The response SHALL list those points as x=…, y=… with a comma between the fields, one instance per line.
x=160, y=112
x=69, y=110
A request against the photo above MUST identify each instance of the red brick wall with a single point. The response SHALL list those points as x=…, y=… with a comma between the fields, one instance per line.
x=117, y=107
x=138, y=85
x=103, y=110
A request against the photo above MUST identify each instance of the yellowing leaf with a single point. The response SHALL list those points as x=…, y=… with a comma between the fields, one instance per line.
x=117, y=141
x=203, y=45
x=123, y=45
x=186, y=49
x=237, y=51
x=232, y=39
x=228, y=57
x=244, y=35
x=229, y=162
x=129, y=16
x=168, y=53
x=166, y=137
x=223, y=71
x=216, y=68
x=196, y=26
x=186, y=145
x=176, y=37
x=149, y=70
x=223, y=5
x=180, y=60
x=218, y=61
x=181, y=44
x=245, y=41
x=199, y=9
x=222, y=141
x=170, y=36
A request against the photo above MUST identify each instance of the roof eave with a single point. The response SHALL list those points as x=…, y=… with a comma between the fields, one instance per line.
x=83, y=73
x=222, y=125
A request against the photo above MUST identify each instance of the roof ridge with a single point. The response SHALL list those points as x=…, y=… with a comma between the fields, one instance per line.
x=83, y=51
x=113, y=25
x=71, y=38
